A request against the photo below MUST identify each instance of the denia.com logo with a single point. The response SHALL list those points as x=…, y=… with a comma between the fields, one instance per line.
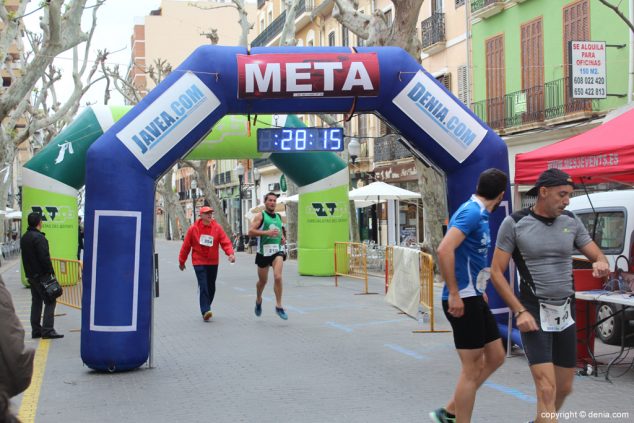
x=162, y=124
x=435, y=109
x=441, y=116
x=54, y=214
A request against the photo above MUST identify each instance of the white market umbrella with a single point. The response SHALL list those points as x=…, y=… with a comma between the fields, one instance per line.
x=286, y=200
x=380, y=191
x=279, y=208
x=14, y=215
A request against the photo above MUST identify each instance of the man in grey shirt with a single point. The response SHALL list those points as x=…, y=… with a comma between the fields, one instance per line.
x=541, y=241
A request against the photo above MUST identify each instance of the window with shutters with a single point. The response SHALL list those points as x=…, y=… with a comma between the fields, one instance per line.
x=495, y=85
x=345, y=36
x=532, y=49
x=331, y=39
x=576, y=23
x=445, y=79
x=389, y=16
x=462, y=84
x=360, y=41
x=363, y=125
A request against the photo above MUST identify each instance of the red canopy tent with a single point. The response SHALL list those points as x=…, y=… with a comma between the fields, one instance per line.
x=602, y=154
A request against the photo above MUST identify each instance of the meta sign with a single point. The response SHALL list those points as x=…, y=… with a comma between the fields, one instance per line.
x=587, y=60
x=304, y=75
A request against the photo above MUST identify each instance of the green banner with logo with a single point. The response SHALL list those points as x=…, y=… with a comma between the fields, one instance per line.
x=324, y=216
x=59, y=220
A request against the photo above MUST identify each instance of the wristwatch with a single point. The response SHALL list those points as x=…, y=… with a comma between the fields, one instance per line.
x=517, y=313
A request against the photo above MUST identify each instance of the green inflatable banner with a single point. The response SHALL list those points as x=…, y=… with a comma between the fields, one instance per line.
x=52, y=178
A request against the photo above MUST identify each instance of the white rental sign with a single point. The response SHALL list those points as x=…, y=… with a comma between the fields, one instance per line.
x=587, y=60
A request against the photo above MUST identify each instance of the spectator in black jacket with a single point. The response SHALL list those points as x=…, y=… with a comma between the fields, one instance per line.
x=16, y=359
x=36, y=260
x=80, y=237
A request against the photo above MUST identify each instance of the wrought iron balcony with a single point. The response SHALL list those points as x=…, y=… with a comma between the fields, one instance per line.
x=486, y=8
x=275, y=27
x=389, y=148
x=539, y=104
x=433, y=33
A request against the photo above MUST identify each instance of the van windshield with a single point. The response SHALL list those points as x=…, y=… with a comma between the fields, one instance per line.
x=610, y=229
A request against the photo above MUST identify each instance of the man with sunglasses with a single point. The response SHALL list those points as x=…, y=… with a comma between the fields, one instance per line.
x=204, y=238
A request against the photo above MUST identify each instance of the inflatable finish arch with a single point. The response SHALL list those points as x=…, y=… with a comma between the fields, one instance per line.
x=123, y=165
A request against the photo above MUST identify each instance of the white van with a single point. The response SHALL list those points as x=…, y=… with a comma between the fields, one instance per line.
x=609, y=217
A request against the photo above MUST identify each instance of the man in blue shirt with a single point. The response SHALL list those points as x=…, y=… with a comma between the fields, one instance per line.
x=462, y=256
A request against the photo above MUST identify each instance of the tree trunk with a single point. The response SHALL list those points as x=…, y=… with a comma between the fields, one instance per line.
x=209, y=192
x=292, y=218
x=434, y=201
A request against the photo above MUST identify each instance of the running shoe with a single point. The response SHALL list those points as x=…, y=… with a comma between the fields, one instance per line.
x=258, y=309
x=280, y=312
x=208, y=315
x=441, y=415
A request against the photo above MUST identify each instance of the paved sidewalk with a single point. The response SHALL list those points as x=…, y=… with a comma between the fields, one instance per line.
x=340, y=357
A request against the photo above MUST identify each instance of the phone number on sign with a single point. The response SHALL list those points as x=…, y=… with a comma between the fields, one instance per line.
x=583, y=414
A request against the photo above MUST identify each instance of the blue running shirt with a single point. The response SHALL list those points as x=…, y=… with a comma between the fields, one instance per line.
x=472, y=219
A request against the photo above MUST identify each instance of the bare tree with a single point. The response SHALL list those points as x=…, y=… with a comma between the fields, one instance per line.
x=376, y=31
x=30, y=105
x=619, y=13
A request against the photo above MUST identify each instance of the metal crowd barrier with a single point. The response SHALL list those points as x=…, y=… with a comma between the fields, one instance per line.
x=68, y=273
x=426, y=268
x=351, y=261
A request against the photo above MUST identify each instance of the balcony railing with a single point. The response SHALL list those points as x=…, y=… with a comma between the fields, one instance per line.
x=433, y=29
x=485, y=8
x=389, y=148
x=275, y=28
x=534, y=105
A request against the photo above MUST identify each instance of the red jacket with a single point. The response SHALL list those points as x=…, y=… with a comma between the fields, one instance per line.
x=203, y=255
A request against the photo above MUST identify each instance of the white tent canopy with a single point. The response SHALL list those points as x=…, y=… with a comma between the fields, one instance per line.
x=380, y=191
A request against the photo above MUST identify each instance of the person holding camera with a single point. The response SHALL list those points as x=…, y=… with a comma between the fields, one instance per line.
x=38, y=267
x=270, y=231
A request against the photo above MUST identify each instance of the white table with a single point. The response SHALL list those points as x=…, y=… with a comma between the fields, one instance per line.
x=601, y=296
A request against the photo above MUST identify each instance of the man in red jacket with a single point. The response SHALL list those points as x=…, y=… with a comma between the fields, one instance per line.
x=203, y=238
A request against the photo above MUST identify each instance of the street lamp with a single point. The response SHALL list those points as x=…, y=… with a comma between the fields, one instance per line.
x=240, y=172
x=194, y=187
x=256, y=182
x=354, y=149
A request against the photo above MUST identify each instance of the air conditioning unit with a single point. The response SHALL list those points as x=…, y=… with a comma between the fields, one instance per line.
x=274, y=187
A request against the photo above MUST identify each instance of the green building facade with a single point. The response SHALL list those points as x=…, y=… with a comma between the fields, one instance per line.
x=520, y=77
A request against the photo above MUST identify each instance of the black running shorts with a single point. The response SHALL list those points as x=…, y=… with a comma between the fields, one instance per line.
x=266, y=261
x=477, y=326
x=559, y=348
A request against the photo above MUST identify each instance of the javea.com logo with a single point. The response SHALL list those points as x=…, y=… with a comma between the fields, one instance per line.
x=169, y=119
x=440, y=116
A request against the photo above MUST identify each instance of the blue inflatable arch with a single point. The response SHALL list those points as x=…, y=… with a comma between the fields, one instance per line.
x=123, y=166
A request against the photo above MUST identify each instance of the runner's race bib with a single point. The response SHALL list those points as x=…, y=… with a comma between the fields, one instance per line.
x=555, y=318
x=207, y=240
x=270, y=249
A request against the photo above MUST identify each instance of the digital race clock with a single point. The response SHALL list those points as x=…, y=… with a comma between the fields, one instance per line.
x=282, y=140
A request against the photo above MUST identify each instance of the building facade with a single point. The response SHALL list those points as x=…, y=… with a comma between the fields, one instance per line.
x=522, y=77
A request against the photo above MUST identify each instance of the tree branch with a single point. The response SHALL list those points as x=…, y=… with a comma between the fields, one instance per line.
x=618, y=12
